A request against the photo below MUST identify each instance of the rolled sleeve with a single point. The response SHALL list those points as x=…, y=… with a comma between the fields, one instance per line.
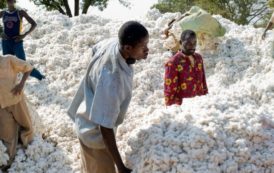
x=20, y=65
x=107, y=100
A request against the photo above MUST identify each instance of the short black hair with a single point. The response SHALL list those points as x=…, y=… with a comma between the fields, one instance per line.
x=187, y=33
x=131, y=33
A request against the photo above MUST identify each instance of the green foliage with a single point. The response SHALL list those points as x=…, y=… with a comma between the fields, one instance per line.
x=271, y=3
x=2, y=4
x=239, y=11
x=49, y=4
x=101, y=4
x=54, y=5
x=173, y=5
x=63, y=6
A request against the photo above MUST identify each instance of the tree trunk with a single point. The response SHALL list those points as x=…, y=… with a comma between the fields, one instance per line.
x=61, y=10
x=76, y=7
x=52, y=5
x=68, y=11
x=86, y=6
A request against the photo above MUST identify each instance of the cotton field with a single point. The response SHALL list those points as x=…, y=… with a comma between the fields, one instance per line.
x=230, y=130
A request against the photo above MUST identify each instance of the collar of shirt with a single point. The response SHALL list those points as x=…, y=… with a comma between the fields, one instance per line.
x=127, y=68
x=186, y=57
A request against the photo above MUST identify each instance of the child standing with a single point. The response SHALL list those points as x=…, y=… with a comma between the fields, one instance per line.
x=12, y=37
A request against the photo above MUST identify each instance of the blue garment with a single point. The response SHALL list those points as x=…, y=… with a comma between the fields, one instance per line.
x=104, y=94
x=12, y=23
x=16, y=48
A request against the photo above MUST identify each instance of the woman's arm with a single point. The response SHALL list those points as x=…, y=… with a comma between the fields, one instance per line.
x=17, y=90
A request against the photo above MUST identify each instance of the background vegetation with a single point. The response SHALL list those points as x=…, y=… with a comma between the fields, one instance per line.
x=240, y=11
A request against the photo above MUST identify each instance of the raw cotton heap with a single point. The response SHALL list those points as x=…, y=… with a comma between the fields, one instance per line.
x=4, y=156
x=220, y=132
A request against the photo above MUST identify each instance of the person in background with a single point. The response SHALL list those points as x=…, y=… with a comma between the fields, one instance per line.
x=12, y=37
x=103, y=97
x=184, y=72
x=269, y=26
x=15, y=120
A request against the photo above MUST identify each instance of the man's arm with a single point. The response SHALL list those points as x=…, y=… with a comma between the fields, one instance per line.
x=1, y=14
x=268, y=27
x=30, y=20
x=19, y=88
x=110, y=142
x=171, y=23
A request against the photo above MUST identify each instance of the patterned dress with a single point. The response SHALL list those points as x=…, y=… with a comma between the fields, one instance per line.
x=184, y=79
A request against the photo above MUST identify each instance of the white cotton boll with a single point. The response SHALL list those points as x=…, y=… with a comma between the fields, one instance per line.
x=184, y=169
x=230, y=166
x=169, y=43
x=165, y=19
x=218, y=156
x=153, y=14
x=4, y=157
x=40, y=157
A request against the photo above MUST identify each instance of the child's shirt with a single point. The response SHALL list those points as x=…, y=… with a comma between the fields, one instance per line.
x=184, y=78
x=10, y=66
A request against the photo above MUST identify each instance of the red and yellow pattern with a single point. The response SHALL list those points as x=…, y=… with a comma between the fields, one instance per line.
x=182, y=80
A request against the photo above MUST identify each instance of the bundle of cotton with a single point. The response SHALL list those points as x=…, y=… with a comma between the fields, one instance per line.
x=41, y=157
x=201, y=140
x=4, y=156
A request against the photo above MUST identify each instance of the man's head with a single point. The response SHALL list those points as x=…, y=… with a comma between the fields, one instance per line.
x=188, y=42
x=133, y=38
x=11, y=3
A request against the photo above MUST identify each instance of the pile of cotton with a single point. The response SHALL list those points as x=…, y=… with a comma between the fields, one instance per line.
x=229, y=130
x=41, y=157
x=3, y=154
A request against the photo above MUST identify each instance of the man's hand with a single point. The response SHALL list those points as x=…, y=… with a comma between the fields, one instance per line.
x=19, y=38
x=17, y=90
x=268, y=27
x=4, y=36
x=263, y=36
x=110, y=142
x=165, y=32
x=125, y=170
